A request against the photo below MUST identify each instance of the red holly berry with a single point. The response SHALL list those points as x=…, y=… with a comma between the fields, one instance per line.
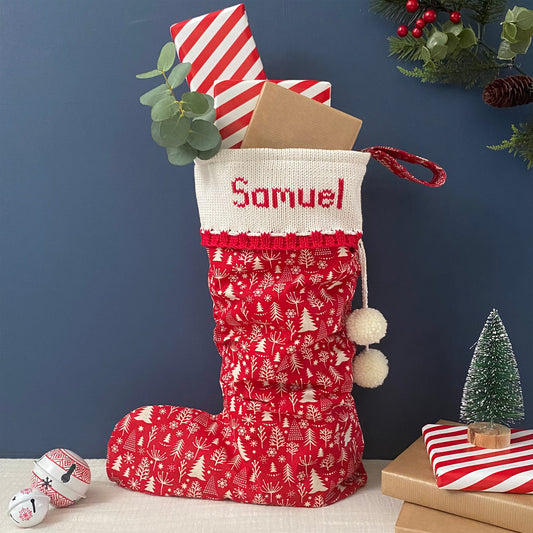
x=420, y=23
x=412, y=5
x=402, y=30
x=430, y=16
x=416, y=32
x=455, y=17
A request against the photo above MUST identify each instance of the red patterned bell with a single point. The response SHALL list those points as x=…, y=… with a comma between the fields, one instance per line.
x=62, y=475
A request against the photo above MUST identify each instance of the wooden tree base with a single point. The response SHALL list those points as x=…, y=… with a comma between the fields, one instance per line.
x=484, y=435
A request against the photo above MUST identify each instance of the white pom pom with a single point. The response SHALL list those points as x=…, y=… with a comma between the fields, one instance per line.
x=366, y=326
x=370, y=368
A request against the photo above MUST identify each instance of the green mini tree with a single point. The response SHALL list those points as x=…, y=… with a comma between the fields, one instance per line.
x=492, y=391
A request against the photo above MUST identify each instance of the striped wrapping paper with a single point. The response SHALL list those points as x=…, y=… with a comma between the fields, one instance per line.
x=218, y=45
x=235, y=101
x=458, y=465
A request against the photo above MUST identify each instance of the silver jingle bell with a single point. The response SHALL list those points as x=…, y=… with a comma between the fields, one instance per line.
x=28, y=507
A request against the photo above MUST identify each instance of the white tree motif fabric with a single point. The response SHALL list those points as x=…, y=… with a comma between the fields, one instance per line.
x=289, y=432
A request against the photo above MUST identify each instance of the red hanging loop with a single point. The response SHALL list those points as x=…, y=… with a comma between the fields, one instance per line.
x=390, y=157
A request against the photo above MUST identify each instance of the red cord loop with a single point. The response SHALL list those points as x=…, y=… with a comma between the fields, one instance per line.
x=390, y=157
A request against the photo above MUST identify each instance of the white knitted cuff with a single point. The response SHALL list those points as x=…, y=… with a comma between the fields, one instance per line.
x=256, y=192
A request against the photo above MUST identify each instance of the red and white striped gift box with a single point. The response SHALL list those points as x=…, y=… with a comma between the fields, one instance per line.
x=218, y=45
x=235, y=101
x=458, y=465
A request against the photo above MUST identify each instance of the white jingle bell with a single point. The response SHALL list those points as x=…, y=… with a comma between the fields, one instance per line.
x=366, y=326
x=62, y=475
x=370, y=368
x=28, y=507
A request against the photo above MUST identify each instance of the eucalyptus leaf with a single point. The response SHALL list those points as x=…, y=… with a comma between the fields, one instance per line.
x=524, y=19
x=178, y=74
x=210, y=116
x=505, y=52
x=512, y=14
x=467, y=38
x=194, y=104
x=153, y=96
x=523, y=36
x=439, y=52
x=208, y=154
x=437, y=38
x=509, y=32
x=181, y=155
x=450, y=27
x=155, y=129
x=453, y=43
x=210, y=101
x=425, y=54
x=203, y=135
x=149, y=74
x=166, y=56
x=171, y=132
x=520, y=47
x=164, y=108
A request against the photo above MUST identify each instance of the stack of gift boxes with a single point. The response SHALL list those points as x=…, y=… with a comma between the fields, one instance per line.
x=253, y=112
x=451, y=486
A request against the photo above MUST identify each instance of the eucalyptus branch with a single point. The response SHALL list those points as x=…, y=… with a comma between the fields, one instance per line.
x=186, y=130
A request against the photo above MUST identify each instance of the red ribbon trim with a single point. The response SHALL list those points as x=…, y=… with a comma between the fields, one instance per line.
x=290, y=241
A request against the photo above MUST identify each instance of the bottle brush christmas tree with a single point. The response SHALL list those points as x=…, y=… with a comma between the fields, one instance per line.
x=492, y=395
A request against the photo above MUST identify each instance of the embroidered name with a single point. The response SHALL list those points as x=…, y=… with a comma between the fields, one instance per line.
x=274, y=197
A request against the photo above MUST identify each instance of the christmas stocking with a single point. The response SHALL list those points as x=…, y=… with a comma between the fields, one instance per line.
x=282, y=230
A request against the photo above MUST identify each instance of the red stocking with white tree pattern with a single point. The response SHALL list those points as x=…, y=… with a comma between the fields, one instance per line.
x=281, y=229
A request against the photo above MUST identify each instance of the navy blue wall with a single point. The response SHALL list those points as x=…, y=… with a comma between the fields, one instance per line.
x=104, y=302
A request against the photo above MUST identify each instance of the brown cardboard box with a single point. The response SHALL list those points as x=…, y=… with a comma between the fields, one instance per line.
x=417, y=519
x=410, y=477
x=285, y=119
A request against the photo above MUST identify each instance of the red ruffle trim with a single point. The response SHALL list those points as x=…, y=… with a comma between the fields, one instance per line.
x=290, y=241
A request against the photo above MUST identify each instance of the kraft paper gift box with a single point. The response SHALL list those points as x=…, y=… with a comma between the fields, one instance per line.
x=417, y=519
x=284, y=119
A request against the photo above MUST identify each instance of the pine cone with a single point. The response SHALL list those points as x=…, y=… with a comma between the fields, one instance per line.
x=508, y=92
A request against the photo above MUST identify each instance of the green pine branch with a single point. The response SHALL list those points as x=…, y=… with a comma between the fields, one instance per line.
x=392, y=10
x=467, y=69
x=482, y=11
x=520, y=143
x=407, y=48
x=395, y=9
x=485, y=11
